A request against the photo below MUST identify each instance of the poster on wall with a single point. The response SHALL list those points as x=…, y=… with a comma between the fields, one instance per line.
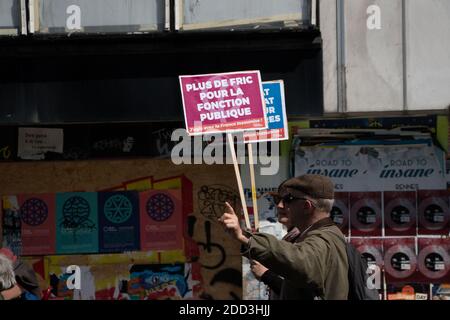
x=357, y=168
x=365, y=214
x=400, y=214
x=371, y=249
x=340, y=213
x=161, y=220
x=433, y=212
x=118, y=221
x=11, y=224
x=76, y=222
x=434, y=260
x=400, y=260
x=37, y=212
x=223, y=102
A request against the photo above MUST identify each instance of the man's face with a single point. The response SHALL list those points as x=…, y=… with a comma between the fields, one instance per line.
x=292, y=211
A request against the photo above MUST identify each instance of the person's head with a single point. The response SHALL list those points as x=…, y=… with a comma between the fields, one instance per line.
x=9, y=254
x=7, y=277
x=304, y=200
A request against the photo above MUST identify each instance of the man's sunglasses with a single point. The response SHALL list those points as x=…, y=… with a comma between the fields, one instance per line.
x=286, y=199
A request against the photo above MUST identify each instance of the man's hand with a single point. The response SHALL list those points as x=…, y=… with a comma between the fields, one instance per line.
x=231, y=223
x=258, y=269
x=11, y=293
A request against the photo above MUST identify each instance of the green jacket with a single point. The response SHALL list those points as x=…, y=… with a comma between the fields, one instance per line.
x=315, y=267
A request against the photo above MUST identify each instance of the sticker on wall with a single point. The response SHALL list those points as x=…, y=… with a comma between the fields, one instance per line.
x=434, y=259
x=118, y=221
x=400, y=260
x=433, y=212
x=407, y=291
x=76, y=222
x=37, y=213
x=365, y=213
x=340, y=211
x=161, y=220
x=400, y=214
x=441, y=291
x=370, y=249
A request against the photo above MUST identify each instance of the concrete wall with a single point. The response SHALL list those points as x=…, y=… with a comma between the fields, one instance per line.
x=428, y=54
x=394, y=66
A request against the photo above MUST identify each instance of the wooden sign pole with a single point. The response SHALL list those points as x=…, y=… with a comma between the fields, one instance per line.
x=239, y=181
x=253, y=184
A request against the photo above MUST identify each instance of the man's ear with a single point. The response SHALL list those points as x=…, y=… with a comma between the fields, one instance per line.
x=308, y=205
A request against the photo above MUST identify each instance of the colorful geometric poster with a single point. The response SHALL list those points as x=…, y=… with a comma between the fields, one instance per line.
x=37, y=212
x=191, y=250
x=76, y=222
x=161, y=220
x=118, y=221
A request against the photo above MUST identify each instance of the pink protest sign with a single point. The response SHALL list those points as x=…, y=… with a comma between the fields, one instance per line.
x=223, y=102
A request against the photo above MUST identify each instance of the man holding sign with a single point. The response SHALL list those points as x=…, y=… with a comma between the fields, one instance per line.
x=316, y=265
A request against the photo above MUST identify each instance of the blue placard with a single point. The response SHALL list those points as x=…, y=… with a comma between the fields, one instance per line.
x=119, y=221
x=276, y=115
x=274, y=98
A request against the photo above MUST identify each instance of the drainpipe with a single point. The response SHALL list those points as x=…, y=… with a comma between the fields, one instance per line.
x=341, y=78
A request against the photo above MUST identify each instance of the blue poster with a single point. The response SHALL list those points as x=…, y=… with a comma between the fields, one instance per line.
x=274, y=98
x=119, y=221
x=76, y=223
x=276, y=115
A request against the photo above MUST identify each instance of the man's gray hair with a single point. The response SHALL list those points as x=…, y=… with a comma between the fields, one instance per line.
x=324, y=205
x=7, y=277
